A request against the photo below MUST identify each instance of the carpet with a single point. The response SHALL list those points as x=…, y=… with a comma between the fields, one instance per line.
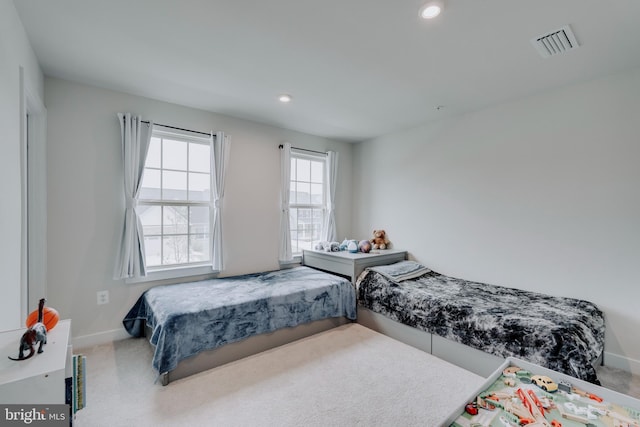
x=347, y=376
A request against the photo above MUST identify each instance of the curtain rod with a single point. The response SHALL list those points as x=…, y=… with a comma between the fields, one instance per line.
x=173, y=127
x=304, y=149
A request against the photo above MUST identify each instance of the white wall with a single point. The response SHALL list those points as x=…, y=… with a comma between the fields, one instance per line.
x=15, y=53
x=86, y=205
x=540, y=194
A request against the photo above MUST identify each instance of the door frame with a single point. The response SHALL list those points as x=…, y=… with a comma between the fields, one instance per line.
x=33, y=159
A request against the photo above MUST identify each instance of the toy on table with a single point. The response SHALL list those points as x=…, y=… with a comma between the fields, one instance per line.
x=545, y=383
x=471, y=408
x=364, y=246
x=585, y=394
x=380, y=240
x=35, y=334
x=519, y=397
x=50, y=317
x=327, y=246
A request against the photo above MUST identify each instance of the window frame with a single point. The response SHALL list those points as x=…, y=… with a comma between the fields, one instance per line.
x=168, y=271
x=314, y=157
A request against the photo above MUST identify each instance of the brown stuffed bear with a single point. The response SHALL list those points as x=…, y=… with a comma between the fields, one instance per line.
x=379, y=240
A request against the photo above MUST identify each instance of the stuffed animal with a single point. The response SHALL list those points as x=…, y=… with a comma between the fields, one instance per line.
x=364, y=246
x=379, y=240
x=327, y=246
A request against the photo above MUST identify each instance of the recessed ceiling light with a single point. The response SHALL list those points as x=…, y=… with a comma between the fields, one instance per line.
x=431, y=9
x=285, y=98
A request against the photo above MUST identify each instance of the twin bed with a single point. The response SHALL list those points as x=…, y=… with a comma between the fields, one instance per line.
x=189, y=319
x=562, y=334
x=260, y=311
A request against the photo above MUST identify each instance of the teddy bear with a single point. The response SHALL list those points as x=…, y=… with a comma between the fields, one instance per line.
x=379, y=240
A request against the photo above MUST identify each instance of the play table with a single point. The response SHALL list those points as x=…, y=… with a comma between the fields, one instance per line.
x=511, y=397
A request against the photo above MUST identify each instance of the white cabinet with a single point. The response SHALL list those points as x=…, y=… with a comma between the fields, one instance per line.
x=40, y=379
x=350, y=264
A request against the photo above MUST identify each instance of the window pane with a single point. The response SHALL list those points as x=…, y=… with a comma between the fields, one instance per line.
x=174, y=154
x=293, y=225
x=199, y=248
x=199, y=186
x=199, y=220
x=151, y=218
x=303, y=193
x=152, y=248
x=199, y=159
x=150, y=187
x=174, y=185
x=175, y=220
x=305, y=228
x=153, y=155
x=318, y=219
x=316, y=194
x=304, y=170
x=174, y=249
x=317, y=170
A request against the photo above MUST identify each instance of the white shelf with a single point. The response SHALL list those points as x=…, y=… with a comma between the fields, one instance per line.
x=39, y=379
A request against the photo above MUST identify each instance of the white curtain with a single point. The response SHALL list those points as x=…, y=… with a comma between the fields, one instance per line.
x=285, y=254
x=135, y=137
x=219, y=159
x=329, y=233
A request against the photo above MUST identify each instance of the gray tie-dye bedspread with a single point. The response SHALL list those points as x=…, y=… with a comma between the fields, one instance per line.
x=187, y=318
x=563, y=334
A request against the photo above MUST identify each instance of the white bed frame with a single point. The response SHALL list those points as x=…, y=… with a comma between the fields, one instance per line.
x=471, y=359
x=229, y=352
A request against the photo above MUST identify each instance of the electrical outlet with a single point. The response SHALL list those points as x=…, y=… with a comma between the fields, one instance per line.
x=103, y=297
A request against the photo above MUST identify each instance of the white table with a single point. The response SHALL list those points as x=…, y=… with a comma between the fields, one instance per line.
x=350, y=264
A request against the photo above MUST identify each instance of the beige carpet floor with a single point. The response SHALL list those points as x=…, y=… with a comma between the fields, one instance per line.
x=619, y=380
x=348, y=376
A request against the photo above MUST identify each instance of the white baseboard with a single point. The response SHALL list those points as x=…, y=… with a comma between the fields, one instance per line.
x=622, y=362
x=99, y=338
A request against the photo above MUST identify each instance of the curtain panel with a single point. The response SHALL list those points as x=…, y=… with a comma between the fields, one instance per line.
x=219, y=160
x=329, y=232
x=284, y=253
x=135, y=139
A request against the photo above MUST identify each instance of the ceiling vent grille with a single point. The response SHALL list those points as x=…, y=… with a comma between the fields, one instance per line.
x=555, y=42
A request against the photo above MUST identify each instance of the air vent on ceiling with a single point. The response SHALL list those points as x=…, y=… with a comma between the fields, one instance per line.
x=555, y=42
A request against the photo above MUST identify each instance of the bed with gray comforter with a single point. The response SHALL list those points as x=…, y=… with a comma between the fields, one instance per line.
x=563, y=334
x=188, y=318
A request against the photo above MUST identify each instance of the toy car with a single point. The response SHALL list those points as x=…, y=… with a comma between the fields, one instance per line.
x=471, y=408
x=545, y=383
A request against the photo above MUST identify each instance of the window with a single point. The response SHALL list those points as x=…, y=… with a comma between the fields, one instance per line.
x=306, y=200
x=174, y=201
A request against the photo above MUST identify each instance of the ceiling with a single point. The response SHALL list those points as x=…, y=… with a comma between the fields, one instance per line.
x=356, y=68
